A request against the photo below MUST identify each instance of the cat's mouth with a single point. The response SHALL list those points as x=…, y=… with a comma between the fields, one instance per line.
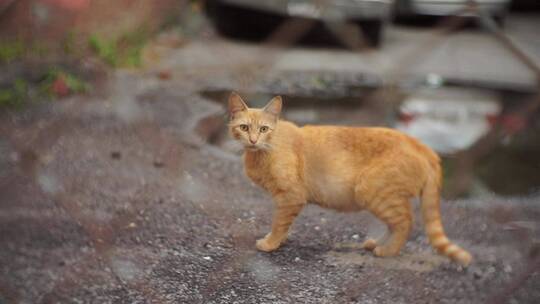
x=252, y=147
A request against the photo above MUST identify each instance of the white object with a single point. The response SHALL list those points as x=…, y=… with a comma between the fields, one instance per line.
x=448, y=120
x=450, y=7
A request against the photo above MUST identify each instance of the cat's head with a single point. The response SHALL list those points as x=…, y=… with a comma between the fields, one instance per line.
x=253, y=127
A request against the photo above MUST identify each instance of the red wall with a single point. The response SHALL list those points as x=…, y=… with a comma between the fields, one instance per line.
x=50, y=20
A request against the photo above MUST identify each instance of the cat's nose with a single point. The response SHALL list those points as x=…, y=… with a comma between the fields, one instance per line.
x=253, y=138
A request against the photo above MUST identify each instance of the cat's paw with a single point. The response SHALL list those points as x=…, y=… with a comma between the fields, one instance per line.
x=369, y=244
x=382, y=251
x=379, y=252
x=266, y=246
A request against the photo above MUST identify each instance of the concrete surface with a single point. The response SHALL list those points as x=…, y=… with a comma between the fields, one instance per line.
x=468, y=56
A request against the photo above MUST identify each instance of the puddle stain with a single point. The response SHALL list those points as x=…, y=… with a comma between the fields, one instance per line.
x=192, y=188
x=49, y=184
x=126, y=269
x=262, y=269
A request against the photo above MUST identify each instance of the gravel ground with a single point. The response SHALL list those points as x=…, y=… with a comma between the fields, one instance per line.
x=125, y=198
x=118, y=201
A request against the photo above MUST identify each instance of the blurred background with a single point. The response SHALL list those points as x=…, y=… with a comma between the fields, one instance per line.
x=119, y=184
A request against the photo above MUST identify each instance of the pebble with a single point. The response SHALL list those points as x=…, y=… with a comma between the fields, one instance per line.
x=14, y=157
x=207, y=258
x=355, y=236
x=477, y=274
x=164, y=75
x=116, y=155
x=158, y=163
x=297, y=259
x=491, y=258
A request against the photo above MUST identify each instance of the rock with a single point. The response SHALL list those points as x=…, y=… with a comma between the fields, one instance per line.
x=14, y=157
x=158, y=163
x=116, y=155
x=164, y=75
x=478, y=274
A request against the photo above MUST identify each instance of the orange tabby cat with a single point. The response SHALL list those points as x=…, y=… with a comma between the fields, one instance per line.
x=343, y=168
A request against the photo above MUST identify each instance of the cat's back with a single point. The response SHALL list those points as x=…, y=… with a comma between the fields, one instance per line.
x=360, y=144
x=353, y=139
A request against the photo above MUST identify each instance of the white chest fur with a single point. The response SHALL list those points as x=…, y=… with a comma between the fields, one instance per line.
x=331, y=191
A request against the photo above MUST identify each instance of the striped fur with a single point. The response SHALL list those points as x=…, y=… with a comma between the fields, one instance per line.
x=433, y=224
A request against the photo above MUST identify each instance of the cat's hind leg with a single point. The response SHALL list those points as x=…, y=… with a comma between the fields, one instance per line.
x=384, y=189
x=362, y=191
x=397, y=215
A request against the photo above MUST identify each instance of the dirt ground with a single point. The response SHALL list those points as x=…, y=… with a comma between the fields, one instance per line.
x=121, y=198
x=118, y=200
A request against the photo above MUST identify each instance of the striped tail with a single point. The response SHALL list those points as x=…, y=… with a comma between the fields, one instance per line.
x=433, y=224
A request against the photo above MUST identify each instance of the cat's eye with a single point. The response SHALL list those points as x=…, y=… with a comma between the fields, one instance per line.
x=264, y=129
x=244, y=127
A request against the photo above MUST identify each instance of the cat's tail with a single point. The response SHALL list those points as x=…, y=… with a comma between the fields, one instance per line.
x=432, y=221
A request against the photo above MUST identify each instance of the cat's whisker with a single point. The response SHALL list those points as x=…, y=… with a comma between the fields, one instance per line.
x=266, y=146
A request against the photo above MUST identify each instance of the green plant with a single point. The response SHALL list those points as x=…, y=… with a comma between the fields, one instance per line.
x=75, y=84
x=11, y=50
x=56, y=77
x=68, y=44
x=56, y=82
x=124, y=51
x=106, y=50
x=14, y=96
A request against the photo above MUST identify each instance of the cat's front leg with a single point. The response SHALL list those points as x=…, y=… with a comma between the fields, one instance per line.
x=283, y=217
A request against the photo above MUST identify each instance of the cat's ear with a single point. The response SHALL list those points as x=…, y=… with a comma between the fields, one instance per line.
x=274, y=106
x=236, y=104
